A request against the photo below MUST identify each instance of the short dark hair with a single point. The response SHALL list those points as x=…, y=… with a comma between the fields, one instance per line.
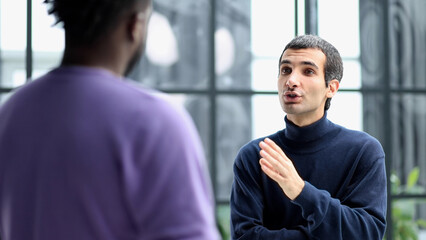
x=88, y=20
x=333, y=63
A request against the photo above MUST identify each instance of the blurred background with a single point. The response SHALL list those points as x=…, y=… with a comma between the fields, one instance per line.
x=219, y=58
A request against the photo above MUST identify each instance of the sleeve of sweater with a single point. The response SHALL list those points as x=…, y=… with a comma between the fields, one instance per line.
x=247, y=202
x=167, y=184
x=361, y=212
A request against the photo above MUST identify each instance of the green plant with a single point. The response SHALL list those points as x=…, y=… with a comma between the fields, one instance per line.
x=405, y=225
x=223, y=221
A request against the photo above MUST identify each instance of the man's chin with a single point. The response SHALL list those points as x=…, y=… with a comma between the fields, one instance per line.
x=291, y=108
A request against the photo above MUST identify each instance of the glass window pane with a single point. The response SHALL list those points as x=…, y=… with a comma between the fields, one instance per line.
x=47, y=40
x=338, y=23
x=223, y=211
x=265, y=74
x=12, y=42
x=267, y=115
x=407, y=37
x=232, y=44
x=346, y=110
x=177, y=50
x=47, y=37
x=13, y=24
x=198, y=107
x=272, y=26
x=373, y=105
x=408, y=135
x=233, y=131
x=409, y=216
x=4, y=97
x=351, y=75
x=250, y=31
x=373, y=39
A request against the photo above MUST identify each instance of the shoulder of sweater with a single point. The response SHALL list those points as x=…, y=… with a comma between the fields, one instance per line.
x=360, y=139
x=250, y=151
x=161, y=102
x=354, y=135
x=148, y=107
x=254, y=144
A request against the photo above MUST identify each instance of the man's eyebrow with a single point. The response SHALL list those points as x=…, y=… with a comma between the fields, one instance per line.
x=285, y=62
x=309, y=63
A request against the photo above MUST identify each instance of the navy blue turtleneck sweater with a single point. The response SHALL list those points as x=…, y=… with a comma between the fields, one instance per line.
x=345, y=187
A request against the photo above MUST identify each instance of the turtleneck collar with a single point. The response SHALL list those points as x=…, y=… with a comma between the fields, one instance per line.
x=308, y=133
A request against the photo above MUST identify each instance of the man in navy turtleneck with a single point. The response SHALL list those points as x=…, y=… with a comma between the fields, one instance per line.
x=314, y=179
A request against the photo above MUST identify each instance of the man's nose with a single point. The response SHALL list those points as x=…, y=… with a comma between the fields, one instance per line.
x=292, y=80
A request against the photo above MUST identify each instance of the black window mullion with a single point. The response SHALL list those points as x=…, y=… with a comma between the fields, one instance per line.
x=408, y=196
x=29, y=49
x=311, y=17
x=387, y=115
x=212, y=97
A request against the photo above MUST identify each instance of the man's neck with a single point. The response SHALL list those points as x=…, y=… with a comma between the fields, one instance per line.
x=93, y=56
x=303, y=121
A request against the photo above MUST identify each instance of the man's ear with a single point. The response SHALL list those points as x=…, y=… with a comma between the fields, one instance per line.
x=333, y=86
x=135, y=25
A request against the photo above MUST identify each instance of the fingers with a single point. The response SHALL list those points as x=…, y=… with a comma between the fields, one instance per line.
x=277, y=166
x=269, y=170
x=267, y=149
x=273, y=149
x=274, y=146
x=265, y=164
x=274, y=159
x=274, y=163
x=271, y=161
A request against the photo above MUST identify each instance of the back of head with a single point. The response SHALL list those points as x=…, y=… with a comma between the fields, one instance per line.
x=86, y=21
x=333, y=66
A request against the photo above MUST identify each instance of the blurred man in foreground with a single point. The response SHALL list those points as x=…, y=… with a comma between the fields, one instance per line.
x=86, y=155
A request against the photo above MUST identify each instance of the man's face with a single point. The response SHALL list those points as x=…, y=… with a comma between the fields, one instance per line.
x=301, y=85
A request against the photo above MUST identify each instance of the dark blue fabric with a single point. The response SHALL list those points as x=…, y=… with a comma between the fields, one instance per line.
x=345, y=187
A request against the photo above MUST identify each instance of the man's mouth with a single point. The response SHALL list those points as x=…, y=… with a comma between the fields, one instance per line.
x=292, y=96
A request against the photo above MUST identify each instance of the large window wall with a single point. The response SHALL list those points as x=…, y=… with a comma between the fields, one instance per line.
x=219, y=58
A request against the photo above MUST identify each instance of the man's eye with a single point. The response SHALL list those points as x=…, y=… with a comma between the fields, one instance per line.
x=309, y=71
x=285, y=70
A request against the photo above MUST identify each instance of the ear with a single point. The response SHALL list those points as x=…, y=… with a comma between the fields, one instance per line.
x=333, y=86
x=135, y=24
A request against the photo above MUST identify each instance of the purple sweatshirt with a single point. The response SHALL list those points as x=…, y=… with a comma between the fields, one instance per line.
x=86, y=155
